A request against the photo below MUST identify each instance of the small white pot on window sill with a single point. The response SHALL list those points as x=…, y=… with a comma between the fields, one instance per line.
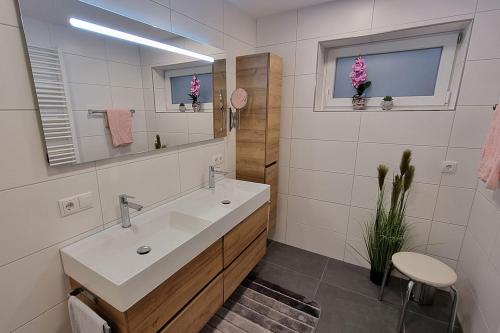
x=386, y=105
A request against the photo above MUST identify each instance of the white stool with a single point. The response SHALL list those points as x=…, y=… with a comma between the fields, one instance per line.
x=426, y=270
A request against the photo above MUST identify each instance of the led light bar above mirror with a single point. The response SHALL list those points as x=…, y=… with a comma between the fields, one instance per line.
x=99, y=56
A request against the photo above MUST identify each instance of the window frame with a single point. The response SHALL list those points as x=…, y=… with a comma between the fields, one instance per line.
x=206, y=107
x=440, y=100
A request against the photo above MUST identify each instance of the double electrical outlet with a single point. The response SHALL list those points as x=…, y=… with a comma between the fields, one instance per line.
x=217, y=160
x=75, y=204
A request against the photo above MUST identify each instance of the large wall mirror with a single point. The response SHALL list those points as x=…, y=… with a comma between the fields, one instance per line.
x=108, y=85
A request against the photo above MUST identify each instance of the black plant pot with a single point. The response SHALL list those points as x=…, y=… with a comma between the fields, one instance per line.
x=377, y=277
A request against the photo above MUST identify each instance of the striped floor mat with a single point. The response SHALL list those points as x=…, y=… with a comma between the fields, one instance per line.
x=259, y=306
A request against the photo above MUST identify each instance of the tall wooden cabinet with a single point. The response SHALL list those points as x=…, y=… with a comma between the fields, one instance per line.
x=257, y=139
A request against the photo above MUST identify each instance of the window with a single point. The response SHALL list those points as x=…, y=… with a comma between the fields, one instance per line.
x=416, y=71
x=177, y=87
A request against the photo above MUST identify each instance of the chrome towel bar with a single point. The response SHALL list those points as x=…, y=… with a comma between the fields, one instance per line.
x=92, y=112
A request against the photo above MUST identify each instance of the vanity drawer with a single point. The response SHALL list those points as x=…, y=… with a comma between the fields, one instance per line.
x=238, y=239
x=159, y=306
x=199, y=311
x=239, y=269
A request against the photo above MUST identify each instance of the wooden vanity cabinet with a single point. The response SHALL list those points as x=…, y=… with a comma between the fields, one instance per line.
x=189, y=298
x=257, y=138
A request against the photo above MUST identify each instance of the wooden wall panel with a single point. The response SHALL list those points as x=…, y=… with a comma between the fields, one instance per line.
x=273, y=108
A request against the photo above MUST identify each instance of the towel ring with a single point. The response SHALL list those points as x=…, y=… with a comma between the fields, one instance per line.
x=495, y=107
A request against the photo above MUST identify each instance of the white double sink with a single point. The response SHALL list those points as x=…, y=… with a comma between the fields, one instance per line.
x=108, y=264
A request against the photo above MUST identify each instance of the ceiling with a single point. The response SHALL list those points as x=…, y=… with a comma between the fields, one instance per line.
x=259, y=8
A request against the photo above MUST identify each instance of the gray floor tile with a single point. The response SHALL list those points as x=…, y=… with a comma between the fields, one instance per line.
x=440, y=309
x=298, y=260
x=357, y=279
x=415, y=323
x=344, y=311
x=298, y=283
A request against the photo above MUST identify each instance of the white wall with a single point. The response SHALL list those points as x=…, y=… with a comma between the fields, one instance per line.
x=32, y=283
x=328, y=160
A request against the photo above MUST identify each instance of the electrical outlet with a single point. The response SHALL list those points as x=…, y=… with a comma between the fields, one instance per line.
x=75, y=204
x=449, y=167
x=217, y=160
x=69, y=206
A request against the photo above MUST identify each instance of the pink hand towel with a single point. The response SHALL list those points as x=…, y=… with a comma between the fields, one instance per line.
x=119, y=122
x=489, y=169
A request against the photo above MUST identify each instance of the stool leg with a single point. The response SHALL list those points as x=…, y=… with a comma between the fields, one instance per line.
x=384, y=281
x=454, y=306
x=405, y=305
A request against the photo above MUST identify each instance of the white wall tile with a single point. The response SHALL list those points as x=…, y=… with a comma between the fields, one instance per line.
x=365, y=192
x=427, y=160
x=495, y=252
x=80, y=69
x=89, y=96
x=287, y=92
x=484, y=44
x=479, y=83
x=453, y=205
x=318, y=214
x=43, y=219
x=55, y=320
x=209, y=12
x=484, y=222
x=327, y=186
x=355, y=253
x=422, y=200
x=148, y=12
x=483, y=5
x=417, y=127
x=124, y=75
x=359, y=218
x=78, y=42
x=27, y=162
x=284, y=152
x=283, y=180
x=287, y=53
x=187, y=27
x=238, y=24
x=193, y=164
x=120, y=51
x=333, y=156
x=127, y=98
x=334, y=17
x=392, y=12
x=8, y=13
x=419, y=230
x=146, y=181
x=304, y=90
x=36, y=32
x=279, y=232
x=470, y=126
x=276, y=29
x=286, y=122
x=445, y=240
x=318, y=240
x=467, y=169
x=307, y=56
x=492, y=196
x=15, y=79
x=342, y=126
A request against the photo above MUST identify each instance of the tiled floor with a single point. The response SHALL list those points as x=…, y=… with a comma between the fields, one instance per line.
x=348, y=299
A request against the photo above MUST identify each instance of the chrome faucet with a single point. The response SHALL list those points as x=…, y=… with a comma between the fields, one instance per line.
x=124, y=206
x=211, y=175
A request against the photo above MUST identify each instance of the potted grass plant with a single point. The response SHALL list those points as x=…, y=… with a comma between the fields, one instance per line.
x=388, y=231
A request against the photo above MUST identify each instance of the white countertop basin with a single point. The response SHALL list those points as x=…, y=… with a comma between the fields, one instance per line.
x=107, y=262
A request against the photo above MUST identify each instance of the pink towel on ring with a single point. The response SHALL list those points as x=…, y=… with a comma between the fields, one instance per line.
x=489, y=169
x=119, y=122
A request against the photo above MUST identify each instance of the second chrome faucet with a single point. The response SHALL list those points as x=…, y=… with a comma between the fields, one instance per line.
x=124, y=206
x=211, y=175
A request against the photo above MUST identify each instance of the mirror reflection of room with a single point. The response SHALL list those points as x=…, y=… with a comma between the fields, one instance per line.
x=103, y=96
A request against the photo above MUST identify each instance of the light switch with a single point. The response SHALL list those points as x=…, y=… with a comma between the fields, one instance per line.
x=85, y=200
